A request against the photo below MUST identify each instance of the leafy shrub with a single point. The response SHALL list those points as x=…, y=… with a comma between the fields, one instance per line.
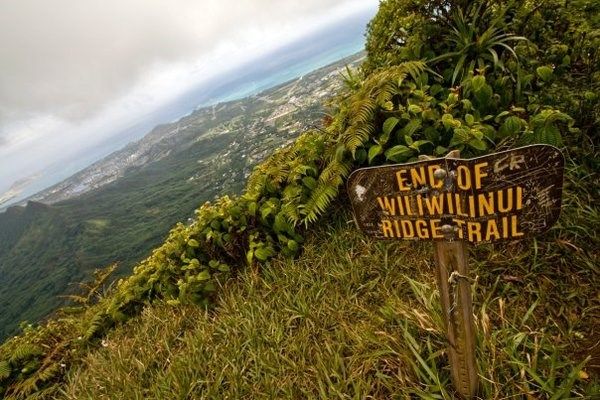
x=558, y=66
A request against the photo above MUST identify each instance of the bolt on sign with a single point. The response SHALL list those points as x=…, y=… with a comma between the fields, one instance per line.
x=502, y=196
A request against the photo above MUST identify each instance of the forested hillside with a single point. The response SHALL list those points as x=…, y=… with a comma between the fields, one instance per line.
x=142, y=190
x=286, y=299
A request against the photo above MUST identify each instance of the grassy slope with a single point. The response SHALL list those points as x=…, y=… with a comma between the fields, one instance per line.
x=340, y=322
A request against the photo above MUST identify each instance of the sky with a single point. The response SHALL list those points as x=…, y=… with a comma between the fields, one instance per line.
x=75, y=72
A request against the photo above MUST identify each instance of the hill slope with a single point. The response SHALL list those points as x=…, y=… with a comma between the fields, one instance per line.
x=132, y=198
x=349, y=319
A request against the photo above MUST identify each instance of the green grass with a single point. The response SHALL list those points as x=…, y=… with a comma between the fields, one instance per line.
x=355, y=319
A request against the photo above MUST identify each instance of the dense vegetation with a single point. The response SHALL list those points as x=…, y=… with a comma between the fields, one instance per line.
x=48, y=248
x=440, y=75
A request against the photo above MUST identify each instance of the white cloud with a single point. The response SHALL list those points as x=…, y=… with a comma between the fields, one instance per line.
x=74, y=71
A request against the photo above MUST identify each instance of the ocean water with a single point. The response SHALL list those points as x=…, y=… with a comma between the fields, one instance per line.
x=322, y=47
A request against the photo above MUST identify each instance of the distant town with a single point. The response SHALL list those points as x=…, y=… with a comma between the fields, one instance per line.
x=270, y=119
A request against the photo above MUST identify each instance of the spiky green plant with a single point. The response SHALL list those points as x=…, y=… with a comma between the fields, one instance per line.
x=475, y=42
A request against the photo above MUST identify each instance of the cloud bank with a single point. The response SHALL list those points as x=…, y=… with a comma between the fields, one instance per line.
x=73, y=71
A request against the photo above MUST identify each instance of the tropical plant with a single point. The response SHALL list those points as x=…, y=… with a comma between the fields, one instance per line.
x=477, y=38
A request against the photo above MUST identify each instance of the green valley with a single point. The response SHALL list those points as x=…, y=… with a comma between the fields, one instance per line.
x=45, y=250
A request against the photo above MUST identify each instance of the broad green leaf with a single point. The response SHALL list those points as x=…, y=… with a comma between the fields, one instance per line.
x=382, y=139
x=293, y=245
x=432, y=134
x=389, y=125
x=263, y=253
x=440, y=150
x=435, y=89
x=484, y=95
x=193, y=243
x=478, y=144
x=452, y=98
x=418, y=143
x=411, y=127
x=510, y=127
x=429, y=115
x=488, y=131
x=478, y=83
x=476, y=133
x=374, y=151
x=469, y=119
x=502, y=114
x=398, y=153
x=544, y=73
x=203, y=276
x=461, y=135
x=415, y=109
x=361, y=156
x=448, y=120
x=224, y=268
x=266, y=210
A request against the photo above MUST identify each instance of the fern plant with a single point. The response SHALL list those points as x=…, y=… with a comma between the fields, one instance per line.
x=357, y=123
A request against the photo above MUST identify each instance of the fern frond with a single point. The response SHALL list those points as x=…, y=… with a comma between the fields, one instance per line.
x=23, y=352
x=48, y=372
x=319, y=201
x=96, y=326
x=4, y=370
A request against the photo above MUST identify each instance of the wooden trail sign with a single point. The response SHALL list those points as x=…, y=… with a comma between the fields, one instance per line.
x=503, y=196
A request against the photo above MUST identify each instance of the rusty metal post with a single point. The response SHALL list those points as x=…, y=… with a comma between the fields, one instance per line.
x=455, y=296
